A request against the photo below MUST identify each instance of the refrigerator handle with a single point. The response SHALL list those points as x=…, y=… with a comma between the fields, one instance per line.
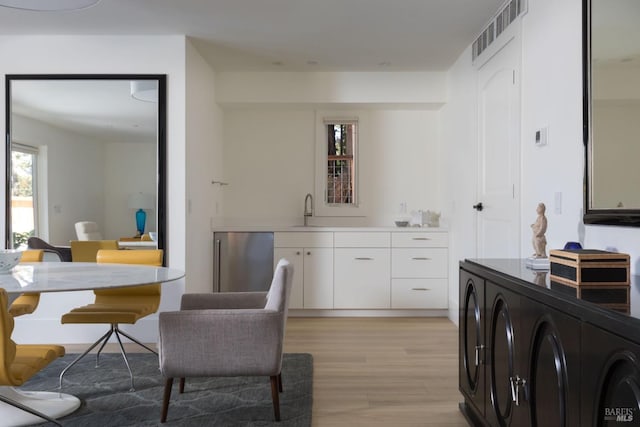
x=216, y=266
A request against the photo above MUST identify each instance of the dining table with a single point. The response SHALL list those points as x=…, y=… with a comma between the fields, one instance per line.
x=66, y=277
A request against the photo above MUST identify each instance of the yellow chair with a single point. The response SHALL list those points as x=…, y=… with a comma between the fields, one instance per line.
x=19, y=362
x=86, y=250
x=120, y=305
x=27, y=302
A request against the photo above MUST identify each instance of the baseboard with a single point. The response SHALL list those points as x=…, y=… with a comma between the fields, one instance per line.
x=366, y=313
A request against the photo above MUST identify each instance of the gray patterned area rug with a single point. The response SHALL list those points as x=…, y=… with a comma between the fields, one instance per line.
x=234, y=401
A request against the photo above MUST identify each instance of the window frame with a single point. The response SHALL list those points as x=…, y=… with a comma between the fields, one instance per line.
x=33, y=151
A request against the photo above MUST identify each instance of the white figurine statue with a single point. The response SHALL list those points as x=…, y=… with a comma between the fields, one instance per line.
x=539, y=228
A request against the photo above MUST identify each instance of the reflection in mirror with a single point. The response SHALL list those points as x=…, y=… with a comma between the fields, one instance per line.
x=612, y=107
x=81, y=148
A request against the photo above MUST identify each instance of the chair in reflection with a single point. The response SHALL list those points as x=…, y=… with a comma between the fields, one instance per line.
x=19, y=362
x=88, y=230
x=27, y=302
x=118, y=306
x=63, y=253
x=87, y=250
x=227, y=334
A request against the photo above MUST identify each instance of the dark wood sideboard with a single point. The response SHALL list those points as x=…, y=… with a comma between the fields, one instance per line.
x=534, y=355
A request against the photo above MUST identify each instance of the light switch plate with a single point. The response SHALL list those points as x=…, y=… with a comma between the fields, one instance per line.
x=541, y=137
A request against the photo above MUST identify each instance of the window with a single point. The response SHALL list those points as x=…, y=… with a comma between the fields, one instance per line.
x=340, y=147
x=23, y=193
x=341, y=163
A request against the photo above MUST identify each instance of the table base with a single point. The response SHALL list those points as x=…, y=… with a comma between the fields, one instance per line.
x=55, y=405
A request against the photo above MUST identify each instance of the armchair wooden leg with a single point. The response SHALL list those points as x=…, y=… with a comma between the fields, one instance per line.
x=280, y=382
x=275, y=396
x=182, y=385
x=168, y=384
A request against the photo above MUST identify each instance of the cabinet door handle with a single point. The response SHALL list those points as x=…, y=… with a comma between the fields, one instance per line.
x=421, y=238
x=420, y=289
x=297, y=252
x=308, y=252
x=363, y=258
x=517, y=383
x=479, y=350
x=421, y=258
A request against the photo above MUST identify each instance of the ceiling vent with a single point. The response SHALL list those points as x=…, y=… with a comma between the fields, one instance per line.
x=507, y=14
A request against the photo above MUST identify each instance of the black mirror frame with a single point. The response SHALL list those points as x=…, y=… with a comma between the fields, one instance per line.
x=619, y=217
x=162, y=140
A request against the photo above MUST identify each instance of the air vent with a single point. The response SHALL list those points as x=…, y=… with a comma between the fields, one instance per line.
x=507, y=14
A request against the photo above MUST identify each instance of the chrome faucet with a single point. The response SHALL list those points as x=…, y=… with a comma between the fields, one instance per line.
x=308, y=209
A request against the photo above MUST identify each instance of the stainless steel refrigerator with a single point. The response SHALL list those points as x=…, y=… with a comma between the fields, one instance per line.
x=242, y=261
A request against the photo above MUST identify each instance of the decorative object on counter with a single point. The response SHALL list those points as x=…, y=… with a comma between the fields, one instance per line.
x=402, y=218
x=572, y=245
x=141, y=201
x=539, y=228
x=432, y=219
x=539, y=260
x=589, y=267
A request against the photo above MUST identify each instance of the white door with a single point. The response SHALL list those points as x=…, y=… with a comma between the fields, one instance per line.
x=318, y=278
x=295, y=257
x=499, y=154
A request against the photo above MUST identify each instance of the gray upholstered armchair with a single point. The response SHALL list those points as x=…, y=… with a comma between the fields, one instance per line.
x=227, y=334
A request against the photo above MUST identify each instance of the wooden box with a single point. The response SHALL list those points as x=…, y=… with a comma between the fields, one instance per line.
x=590, y=267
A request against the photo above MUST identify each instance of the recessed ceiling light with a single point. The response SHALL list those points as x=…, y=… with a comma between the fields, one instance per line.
x=49, y=5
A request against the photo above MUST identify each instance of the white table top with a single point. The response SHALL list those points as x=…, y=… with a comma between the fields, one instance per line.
x=77, y=276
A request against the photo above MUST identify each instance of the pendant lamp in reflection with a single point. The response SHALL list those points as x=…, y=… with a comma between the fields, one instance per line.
x=145, y=90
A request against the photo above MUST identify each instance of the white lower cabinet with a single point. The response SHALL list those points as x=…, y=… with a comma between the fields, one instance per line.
x=366, y=270
x=312, y=267
x=419, y=270
x=362, y=278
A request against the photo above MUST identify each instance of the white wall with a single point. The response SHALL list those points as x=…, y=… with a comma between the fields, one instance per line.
x=269, y=163
x=204, y=151
x=68, y=156
x=552, y=97
x=129, y=168
x=110, y=55
x=411, y=88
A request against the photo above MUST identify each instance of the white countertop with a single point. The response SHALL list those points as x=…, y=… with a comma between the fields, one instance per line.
x=316, y=228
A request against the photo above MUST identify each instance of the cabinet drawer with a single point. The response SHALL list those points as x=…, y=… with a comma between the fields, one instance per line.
x=297, y=239
x=362, y=240
x=419, y=262
x=419, y=293
x=419, y=239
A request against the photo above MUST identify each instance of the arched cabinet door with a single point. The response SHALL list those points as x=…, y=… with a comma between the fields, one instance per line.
x=472, y=340
x=612, y=390
x=553, y=378
x=506, y=392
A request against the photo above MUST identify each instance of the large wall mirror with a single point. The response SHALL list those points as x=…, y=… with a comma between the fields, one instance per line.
x=84, y=148
x=612, y=111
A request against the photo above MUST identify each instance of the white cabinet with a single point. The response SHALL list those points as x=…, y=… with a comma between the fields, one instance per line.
x=419, y=270
x=362, y=270
x=311, y=254
x=366, y=269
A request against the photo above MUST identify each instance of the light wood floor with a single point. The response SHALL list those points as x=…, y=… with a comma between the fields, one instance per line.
x=378, y=371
